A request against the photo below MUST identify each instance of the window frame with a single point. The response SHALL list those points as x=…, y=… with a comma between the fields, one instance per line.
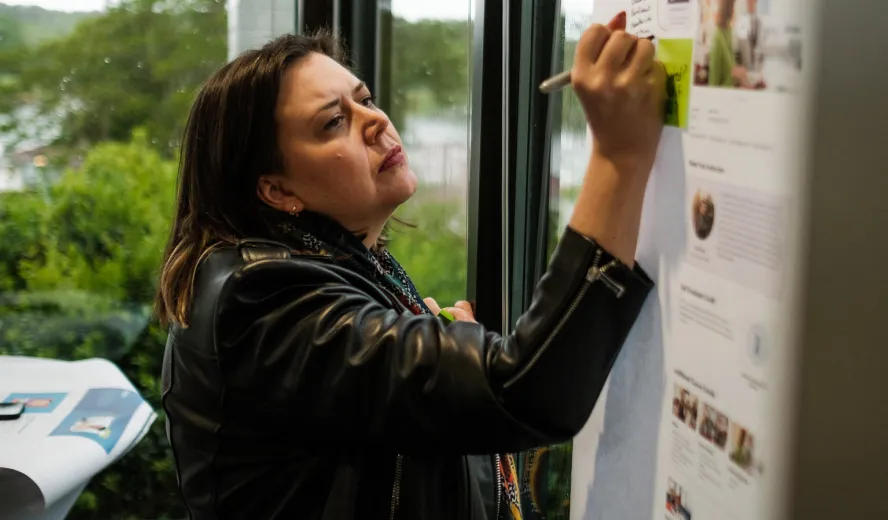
x=539, y=51
x=489, y=179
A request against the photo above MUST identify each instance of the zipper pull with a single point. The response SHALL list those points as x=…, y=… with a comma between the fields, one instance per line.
x=597, y=273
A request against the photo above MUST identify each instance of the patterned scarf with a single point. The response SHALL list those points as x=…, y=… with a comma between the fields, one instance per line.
x=316, y=234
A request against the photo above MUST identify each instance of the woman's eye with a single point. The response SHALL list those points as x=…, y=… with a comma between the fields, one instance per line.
x=368, y=101
x=334, y=123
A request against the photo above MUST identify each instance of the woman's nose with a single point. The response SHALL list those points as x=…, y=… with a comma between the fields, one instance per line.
x=374, y=123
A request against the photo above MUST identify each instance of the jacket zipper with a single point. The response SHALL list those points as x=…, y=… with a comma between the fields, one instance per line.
x=396, y=486
x=497, y=467
x=594, y=274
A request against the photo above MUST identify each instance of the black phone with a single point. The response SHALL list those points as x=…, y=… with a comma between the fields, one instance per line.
x=10, y=411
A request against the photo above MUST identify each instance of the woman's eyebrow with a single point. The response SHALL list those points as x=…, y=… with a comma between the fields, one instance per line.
x=334, y=103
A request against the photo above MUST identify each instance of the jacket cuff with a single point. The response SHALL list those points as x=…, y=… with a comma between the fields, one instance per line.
x=577, y=254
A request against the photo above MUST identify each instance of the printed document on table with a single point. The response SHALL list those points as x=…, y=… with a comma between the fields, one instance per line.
x=79, y=418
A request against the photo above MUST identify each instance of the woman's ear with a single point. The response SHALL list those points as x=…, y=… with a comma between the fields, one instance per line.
x=271, y=190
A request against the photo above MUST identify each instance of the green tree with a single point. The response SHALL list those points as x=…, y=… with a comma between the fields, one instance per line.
x=433, y=55
x=434, y=252
x=20, y=218
x=77, y=283
x=138, y=65
x=37, y=24
x=105, y=222
x=11, y=35
x=430, y=62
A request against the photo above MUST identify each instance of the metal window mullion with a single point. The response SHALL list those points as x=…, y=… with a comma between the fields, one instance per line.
x=538, y=31
x=507, y=212
x=358, y=22
x=486, y=179
x=300, y=17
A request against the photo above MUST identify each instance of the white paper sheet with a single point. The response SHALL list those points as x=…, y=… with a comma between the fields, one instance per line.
x=79, y=418
x=686, y=429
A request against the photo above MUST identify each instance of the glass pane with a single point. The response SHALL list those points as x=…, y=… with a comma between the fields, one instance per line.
x=547, y=471
x=425, y=89
x=572, y=142
x=92, y=105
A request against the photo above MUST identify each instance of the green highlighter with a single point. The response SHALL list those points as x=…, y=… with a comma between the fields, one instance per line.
x=446, y=317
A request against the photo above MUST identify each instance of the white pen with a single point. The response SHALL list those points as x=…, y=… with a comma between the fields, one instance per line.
x=555, y=83
x=561, y=80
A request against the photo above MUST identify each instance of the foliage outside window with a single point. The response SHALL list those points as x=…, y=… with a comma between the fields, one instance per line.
x=427, y=49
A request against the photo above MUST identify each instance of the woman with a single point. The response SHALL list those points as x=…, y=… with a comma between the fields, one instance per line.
x=304, y=377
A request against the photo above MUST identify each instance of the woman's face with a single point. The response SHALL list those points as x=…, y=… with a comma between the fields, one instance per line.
x=340, y=152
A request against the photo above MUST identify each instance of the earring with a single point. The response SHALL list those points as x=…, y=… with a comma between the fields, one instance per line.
x=293, y=212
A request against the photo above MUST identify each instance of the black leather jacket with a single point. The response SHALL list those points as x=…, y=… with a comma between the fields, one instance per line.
x=302, y=390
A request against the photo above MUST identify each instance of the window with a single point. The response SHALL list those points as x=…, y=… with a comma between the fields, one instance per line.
x=92, y=105
x=424, y=87
x=547, y=471
x=572, y=142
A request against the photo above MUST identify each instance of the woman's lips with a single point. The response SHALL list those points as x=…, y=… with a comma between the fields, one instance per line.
x=394, y=158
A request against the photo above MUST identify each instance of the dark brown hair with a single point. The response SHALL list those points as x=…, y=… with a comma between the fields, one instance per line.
x=229, y=142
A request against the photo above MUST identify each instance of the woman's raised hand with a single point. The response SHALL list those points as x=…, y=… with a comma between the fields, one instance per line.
x=622, y=90
x=623, y=93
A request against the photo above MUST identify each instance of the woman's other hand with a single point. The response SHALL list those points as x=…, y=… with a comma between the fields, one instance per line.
x=622, y=90
x=461, y=310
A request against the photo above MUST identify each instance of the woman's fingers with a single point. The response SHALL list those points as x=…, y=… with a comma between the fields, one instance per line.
x=465, y=310
x=464, y=305
x=432, y=305
x=618, y=22
x=657, y=77
x=591, y=44
x=617, y=50
x=461, y=314
x=461, y=310
x=643, y=59
x=593, y=40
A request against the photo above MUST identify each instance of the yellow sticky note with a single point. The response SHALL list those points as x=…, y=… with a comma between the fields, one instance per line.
x=677, y=56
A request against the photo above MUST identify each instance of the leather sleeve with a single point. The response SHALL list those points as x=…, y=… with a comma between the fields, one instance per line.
x=296, y=341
